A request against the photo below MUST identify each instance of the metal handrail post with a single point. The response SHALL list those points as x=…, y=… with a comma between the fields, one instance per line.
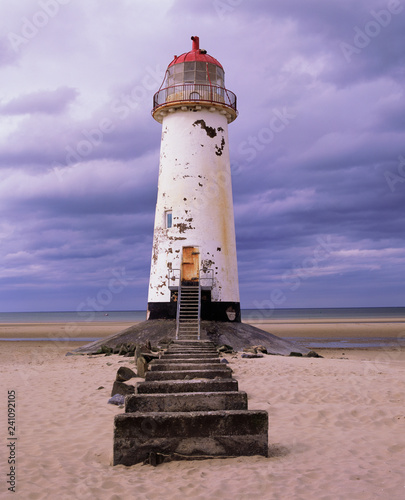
x=178, y=312
x=199, y=307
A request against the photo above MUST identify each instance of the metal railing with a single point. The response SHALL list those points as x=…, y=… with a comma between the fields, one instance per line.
x=206, y=278
x=196, y=92
x=199, y=311
x=174, y=279
x=178, y=313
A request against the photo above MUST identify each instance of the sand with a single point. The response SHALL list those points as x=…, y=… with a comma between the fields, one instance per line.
x=337, y=429
x=95, y=329
x=334, y=327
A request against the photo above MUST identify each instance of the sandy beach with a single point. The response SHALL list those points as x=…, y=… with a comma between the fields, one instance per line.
x=337, y=428
x=96, y=329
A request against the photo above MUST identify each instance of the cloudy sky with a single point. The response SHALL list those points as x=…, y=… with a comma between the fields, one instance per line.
x=318, y=149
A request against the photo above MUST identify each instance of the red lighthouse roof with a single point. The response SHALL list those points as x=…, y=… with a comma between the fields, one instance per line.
x=195, y=54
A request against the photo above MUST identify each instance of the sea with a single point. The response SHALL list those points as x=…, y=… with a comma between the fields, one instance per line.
x=388, y=314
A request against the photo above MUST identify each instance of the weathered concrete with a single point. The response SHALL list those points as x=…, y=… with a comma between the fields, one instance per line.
x=201, y=385
x=187, y=419
x=238, y=335
x=221, y=371
x=170, y=366
x=164, y=360
x=185, y=356
x=196, y=349
x=190, y=351
x=203, y=434
x=187, y=348
x=122, y=388
x=189, y=401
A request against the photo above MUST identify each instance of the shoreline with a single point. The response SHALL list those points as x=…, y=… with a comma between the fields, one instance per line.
x=353, y=328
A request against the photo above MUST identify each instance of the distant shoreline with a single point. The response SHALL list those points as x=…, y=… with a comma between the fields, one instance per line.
x=310, y=332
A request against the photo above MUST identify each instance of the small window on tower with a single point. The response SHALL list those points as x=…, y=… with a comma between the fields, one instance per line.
x=169, y=219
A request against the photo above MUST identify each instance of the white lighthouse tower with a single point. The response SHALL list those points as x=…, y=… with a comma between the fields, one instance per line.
x=194, y=268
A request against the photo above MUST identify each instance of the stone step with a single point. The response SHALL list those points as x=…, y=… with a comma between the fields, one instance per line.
x=203, y=434
x=191, y=348
x=186, y=401
x=188, y=355
x=203, y=343
x=224, y=372
x=187, y=366
x=187, y=350
x=164, y=361
x=196, y=385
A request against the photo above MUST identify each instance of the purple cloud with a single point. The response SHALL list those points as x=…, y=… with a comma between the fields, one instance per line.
x=49, y=102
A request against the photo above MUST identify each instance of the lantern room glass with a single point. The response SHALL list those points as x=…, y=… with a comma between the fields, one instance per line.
x=195, y=72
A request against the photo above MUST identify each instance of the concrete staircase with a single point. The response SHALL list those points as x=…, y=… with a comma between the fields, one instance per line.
x=188, y=317
x=189, y=407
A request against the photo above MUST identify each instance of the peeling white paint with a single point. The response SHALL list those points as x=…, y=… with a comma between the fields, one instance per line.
x=205, y=219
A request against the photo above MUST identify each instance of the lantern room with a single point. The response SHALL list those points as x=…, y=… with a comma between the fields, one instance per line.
x=195, y=79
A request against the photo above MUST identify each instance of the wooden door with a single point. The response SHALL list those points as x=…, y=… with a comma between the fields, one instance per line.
x=190, y=264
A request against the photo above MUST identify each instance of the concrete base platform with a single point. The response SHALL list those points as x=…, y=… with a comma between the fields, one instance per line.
x=203, y=434
x=238, y=335
x=191, y=401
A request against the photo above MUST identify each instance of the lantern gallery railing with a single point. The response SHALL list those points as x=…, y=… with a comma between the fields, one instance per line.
x=194, y=92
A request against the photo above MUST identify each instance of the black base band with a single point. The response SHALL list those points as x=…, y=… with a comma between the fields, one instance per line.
x=210, y=311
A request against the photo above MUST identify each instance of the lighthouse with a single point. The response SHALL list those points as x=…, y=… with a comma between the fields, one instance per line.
x=194, y=273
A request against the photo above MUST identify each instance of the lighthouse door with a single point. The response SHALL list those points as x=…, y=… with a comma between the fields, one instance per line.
x=190, y=265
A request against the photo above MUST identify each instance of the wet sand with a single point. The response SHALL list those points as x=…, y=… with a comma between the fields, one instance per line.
x=341, y=328
x=61, y=330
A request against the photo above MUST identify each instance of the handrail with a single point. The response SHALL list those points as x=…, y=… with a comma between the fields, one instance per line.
x=173, y=278
x=178, y=313
x=197, y=92
x=199, y=308
x=208, y=278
